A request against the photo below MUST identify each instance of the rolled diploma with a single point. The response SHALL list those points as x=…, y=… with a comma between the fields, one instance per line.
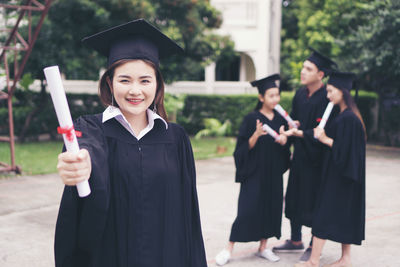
x=271, y=131
x=285, y=115
x=325, y=117
x=60, y=103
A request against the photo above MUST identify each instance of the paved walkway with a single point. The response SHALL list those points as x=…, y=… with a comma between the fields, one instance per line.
x=29, y=205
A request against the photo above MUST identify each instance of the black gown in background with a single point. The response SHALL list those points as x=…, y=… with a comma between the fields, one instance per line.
x=143, y=209
x=305, y=168
x=259, y=170
x=340, y=209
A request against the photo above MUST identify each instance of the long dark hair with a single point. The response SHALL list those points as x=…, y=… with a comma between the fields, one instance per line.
x=258, y=106
x=261, y=92
x=105, y=87
x=349, y=101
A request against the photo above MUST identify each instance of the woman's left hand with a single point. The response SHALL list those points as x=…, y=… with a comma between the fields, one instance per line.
x=293, y=132
x=282, y=137
x=319, y=133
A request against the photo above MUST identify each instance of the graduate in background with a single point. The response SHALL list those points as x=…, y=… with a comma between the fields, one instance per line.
x=308, y=106
x=143, y=208
x=260, y=163
x=340, y=211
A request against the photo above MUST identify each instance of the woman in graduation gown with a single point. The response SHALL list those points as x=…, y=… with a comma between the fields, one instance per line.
x=340, y=209
x=308, y=106
x=143, y=208
x=260, y=163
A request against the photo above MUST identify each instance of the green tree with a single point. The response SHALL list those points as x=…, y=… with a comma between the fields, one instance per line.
x=59, y=41
x=372, y=48
x=372, y=51
x=320, y=24
x=362, y=36
x=189, y=22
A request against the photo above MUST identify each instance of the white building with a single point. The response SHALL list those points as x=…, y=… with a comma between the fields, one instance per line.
x=254, y=26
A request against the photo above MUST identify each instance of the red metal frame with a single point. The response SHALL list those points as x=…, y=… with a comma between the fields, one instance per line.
x=17, y=44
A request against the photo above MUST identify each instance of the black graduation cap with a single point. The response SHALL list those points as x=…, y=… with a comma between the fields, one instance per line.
x=322, y=62
x=266, y=83
x=136, y=39
x=342, y=80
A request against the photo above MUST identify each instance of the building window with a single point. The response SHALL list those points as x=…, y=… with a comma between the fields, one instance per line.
x=228, y=70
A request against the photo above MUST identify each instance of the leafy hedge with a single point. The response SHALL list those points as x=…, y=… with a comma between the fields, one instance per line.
x=44, y=120
x=189, y=110
x=235, y=107
x=221, y=107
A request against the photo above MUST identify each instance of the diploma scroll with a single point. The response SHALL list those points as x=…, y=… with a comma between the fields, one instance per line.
x=285, y=115
x=325, y=117
x=271, y=131
x=60, y=103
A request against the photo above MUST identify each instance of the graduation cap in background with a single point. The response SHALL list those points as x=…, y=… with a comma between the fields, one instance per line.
x=136, y=39
x=266, y=83
x=343, y=81
x=323, y=63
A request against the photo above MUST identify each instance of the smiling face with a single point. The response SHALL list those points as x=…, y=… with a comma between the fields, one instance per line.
x=134, y=87
x=270, y=98
x=310, y=73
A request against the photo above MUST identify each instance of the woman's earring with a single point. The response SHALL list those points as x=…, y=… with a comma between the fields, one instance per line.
x=154, y=108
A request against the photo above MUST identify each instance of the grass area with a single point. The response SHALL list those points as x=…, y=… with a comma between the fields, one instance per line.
x=41, y=157
x=33, y=158
x=212, y=147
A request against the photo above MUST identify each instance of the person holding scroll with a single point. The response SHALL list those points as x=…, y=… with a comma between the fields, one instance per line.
x=308, y=106
x=143, y=208
x=340, y=210
x=260, y=163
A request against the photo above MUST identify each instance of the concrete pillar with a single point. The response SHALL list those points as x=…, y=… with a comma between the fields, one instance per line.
x=210, y=78
x=263, y=28
x=243, y=69
x=275, y=37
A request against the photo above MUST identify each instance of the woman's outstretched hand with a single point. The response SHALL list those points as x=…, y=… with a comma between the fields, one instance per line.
x=74, y=168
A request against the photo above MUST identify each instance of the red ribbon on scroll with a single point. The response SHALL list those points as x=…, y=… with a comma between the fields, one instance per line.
x=68, y=132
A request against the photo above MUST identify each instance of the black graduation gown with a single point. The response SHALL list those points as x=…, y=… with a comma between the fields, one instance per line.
x=143, y=209
x=305, y=168
x=259, y=171
x=340, y=209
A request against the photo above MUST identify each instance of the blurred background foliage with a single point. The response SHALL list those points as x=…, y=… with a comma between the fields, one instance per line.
x=362, y=36
x=188, y=22
x=190, y=111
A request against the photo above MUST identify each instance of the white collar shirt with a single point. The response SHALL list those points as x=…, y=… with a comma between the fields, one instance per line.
x=114, y=112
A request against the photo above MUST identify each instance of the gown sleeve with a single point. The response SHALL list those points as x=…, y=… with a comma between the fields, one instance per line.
x=294, y=116
x=285, y=152
x=195, y=250
x=81, y=221
x=245, y=161
x=312, y=146
x=348, y=149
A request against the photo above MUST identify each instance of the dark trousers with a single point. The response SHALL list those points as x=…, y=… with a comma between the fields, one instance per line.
x=296, y=232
